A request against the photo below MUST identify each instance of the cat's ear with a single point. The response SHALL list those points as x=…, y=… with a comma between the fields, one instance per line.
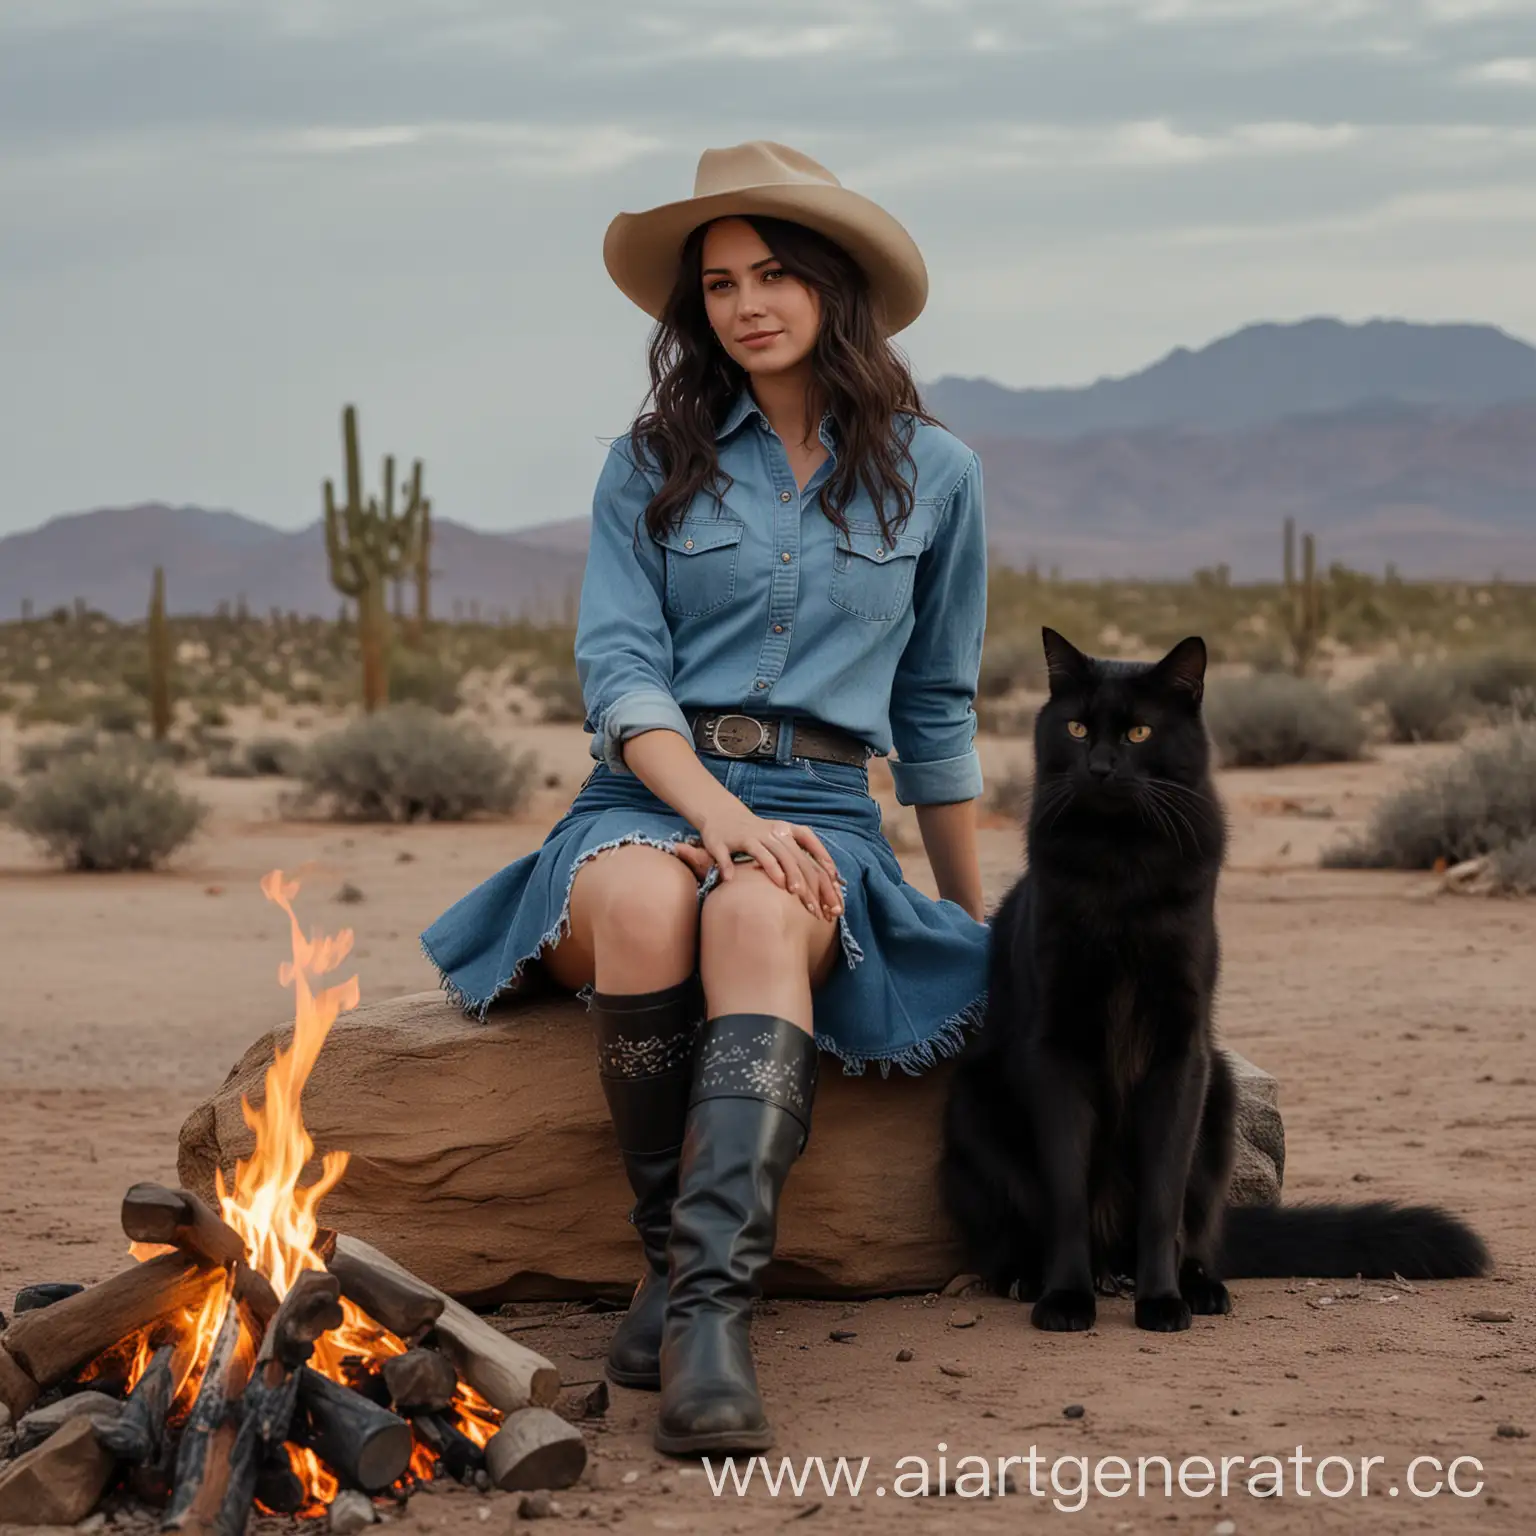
x=1065, y=665
x=1182, y=670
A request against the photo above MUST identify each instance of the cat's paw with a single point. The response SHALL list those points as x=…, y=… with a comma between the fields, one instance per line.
x=1064, y=1312
x=1162, y=1314
x=1207, y=1297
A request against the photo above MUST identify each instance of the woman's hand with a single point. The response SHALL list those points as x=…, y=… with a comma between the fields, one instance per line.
x=791, y=855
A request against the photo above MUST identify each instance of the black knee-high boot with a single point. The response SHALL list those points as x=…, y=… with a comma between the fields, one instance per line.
x=748, y=1118
x=645, y=1059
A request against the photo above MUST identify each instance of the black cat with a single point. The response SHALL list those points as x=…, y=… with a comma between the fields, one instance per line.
x=1089, y=1133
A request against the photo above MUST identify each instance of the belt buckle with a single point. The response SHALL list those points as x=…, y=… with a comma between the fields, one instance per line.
x=719, y=747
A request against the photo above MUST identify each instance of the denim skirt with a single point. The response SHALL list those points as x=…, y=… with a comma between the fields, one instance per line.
x=912, y=977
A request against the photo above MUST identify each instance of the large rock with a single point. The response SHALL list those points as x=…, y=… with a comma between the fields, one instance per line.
x=482, y=1157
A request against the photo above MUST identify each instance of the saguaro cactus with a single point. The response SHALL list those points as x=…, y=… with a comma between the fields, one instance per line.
x=1302, y=602
x=159, y=635
x=369, y=545
x=424, y=572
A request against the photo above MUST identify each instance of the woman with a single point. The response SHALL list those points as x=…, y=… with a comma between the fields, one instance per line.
x=786, y=575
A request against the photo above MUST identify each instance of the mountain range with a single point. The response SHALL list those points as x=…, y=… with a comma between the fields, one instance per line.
x=1394, y=442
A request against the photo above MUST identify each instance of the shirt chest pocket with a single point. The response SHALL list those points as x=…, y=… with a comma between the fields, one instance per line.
x=872, y=575
x=702, y=555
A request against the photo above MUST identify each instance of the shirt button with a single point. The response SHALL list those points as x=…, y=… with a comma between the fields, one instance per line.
x=784, y=496
x=761, y=683
x=786, y=557
x=778, y=629
x=687, y=543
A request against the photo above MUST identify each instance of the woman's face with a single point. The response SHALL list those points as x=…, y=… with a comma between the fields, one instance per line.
x=766, y=320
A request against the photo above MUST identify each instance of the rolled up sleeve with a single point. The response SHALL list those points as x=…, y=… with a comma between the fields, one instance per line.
x=623, y=644
x=933, y=718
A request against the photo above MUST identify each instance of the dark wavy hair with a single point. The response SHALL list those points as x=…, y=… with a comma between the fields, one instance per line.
x=856, y=374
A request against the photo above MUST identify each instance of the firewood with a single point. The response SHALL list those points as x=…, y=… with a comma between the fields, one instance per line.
x=457, y=1452
x=138, y=1435
x=59, y=1481
x=388, y=1294
x=203, y=1460
x=17, y=1389
x=365, y=1445
x=278, y=1487
x=43, y=1422
x=51, y=1343
x=311, y=1308
x=254, y=1291
x=420, y=1379
x=535, y=1449
x=505, y=1373
x=154, y=1214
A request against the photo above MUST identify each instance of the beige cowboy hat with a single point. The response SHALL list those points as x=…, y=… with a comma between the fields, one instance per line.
x=642, y=250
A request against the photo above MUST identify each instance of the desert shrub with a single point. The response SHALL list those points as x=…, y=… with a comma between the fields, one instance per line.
x=1009, y=663
x=211, y=715
x=107, y=810
x=275, y=757
x=1496, y=677
x=559, y=696
x=1005, y=718
x=1421, y=700
x=52, y=706
x=1514, y=868
x=40, y=756
x=1008, y=793
x=120, y=715
x=8, y=794
x=415, y=678
x=1270, y=720
x=230, y=764
x=1482, y=800
x=407, y=763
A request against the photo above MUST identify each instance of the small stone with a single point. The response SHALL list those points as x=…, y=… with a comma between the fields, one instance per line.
x=1491, y=1317
x=92, y=1524
x=842, y=1335
x=959, y=1285
x=349, y=894
x=1224, y=1528
x=536, y=1505
x=945, y=1369
x=1510, y=1432
x=630, y=1477
x=903, y=1355
x=963, y=1319
x=38, y=1425
x=482, y=1480
x=405, y=856
x=1072, y=1411
x=32, y=1298
x=351, y=1512
x=595, y=1404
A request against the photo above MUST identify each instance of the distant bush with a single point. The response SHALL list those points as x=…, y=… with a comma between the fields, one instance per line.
x=40, y=756
x=1009, y=793
x=8, y=794
x=275, y=757
x=416, y=678
x=1270, y=720
x=52, y=706
x=1514, y=868
x=1481, y=801
x=1497, y=677
x=407, y=763
x=120, y=714
x=109, y=810
x=1011, y=663
x=559, y=696
x=230, y=764
x=1423, y=701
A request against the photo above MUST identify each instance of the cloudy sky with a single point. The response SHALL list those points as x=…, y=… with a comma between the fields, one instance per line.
x=220, y=220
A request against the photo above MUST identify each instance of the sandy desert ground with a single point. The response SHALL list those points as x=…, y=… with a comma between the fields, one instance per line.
x=1401, y=1029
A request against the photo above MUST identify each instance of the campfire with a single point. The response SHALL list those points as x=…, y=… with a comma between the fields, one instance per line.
x=249, y=1360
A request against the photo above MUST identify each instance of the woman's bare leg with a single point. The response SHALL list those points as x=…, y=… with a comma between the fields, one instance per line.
x=634, y=923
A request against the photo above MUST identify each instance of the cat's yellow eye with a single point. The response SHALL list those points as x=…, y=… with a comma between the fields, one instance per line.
x=1076, y=728
x=1138, y=733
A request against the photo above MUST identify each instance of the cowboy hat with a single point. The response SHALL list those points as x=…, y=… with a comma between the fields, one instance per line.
x=642, y=250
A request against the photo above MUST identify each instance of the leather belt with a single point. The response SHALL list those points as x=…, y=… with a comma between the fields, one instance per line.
x=723, y=734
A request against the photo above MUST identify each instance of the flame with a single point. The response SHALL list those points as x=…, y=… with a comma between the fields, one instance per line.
x=278, y=1218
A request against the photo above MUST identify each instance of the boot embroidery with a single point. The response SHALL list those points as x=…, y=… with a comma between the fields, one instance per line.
x=648, y=1057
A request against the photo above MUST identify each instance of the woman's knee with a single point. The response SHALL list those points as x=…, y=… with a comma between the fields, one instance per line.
x=749, y=913
x=638, y=898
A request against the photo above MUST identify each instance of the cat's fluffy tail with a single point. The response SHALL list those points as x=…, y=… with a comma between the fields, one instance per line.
x=1376, y=1240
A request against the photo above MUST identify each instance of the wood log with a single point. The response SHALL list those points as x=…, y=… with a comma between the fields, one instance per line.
x=278, y=1487
x=391, y=1296
x=51, y=1343
x=457, y=1452
x=17, y=1389
x=254, y=1292
x=420, y=1379
x=365, y=1445
x=508, y=1375
x=40, y=1424
x=311, y=1308
x=32, y=1298
x=178, y=1218
x=535, y=1449
x=138, y=1434
x=59, y=1482
x=203, y=1459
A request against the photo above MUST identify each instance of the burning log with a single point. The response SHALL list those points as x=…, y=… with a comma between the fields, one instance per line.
x=457, y=1452
x=138, y=1434
x=388, y=1294
x=311, y=1308
x=254, y=1292
x=278, y=1486
x=179, y=1219
x=17, y=1389
x=203, y=1460
x=535, y=1449
x=508, y=1375
x=59, y=1482
x=50, y=1343
x=420, y=1379
x=365, y=1445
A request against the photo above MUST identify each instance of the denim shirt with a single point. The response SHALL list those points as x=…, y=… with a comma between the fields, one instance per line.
x=755, y=604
